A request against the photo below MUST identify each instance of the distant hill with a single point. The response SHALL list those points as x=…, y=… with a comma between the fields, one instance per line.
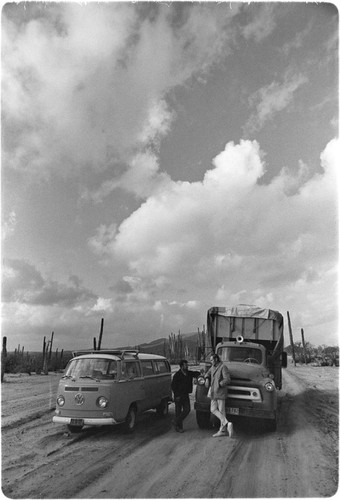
x=160, y=346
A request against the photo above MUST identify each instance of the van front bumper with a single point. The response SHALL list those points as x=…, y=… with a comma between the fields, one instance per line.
x=86, y=421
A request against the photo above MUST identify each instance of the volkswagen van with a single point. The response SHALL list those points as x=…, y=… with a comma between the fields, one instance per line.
x=109, y=387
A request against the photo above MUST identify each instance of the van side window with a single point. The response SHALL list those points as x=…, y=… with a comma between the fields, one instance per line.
x=130, y=370
x=161, y=366
x=147, y=368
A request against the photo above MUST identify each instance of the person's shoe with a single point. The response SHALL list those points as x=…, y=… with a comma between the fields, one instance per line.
x=230, y=429
x=220, y=433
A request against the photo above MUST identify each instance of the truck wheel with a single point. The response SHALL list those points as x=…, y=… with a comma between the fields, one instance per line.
x=203, y=419
x=163, y=409
x=74, y=428
x=130, y=421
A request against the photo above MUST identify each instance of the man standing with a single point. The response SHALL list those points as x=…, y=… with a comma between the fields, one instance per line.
x=217, y=378
x=181, y=386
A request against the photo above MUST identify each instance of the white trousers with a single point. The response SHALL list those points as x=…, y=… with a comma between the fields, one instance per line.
x=217, y=407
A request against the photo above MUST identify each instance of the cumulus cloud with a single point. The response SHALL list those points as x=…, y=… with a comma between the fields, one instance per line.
x=141, y=177
x=212, y=217
x=262, y=22
x=80, y=92
x=296, y=42
x=231, y=236
x=271, y=99
x=79, y=87
x=9, y=225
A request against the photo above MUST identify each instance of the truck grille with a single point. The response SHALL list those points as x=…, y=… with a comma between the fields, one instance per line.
x=249, y=393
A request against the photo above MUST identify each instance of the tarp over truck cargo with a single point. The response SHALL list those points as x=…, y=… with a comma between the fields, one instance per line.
x=253, y=323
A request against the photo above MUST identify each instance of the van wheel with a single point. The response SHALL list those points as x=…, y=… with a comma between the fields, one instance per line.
x=131, y=418
x=203, y=419
x=163, y=409
x=74, y=428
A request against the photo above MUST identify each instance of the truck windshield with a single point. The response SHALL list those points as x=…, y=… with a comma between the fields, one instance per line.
x=242, y=354
x=92, y=368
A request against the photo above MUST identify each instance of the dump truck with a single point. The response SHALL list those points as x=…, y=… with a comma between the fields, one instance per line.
x=249, y=340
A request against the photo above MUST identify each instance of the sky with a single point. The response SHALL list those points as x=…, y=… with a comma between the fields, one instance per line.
x=159, y=159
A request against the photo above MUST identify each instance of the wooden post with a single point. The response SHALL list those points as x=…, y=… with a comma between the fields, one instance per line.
x=303, y=345
x=61, y=359
x=101, y=334
x=94, y=343
x=45, y=353
x=291, y=338
x=51, y=342
x=3, y=357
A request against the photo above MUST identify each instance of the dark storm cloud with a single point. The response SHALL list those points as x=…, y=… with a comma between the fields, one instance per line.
x=23, y=283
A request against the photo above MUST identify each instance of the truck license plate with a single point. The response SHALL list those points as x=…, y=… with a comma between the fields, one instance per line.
x=77, y=421
x=233, y=411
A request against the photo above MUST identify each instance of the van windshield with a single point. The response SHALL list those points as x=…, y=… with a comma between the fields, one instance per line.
x=92, y=368
x=242, y=354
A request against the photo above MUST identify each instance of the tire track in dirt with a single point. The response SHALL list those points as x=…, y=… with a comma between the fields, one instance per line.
x=68, y=462
x=43, y=460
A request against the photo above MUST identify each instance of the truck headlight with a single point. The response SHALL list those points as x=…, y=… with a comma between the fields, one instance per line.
x=102, y=402
x=269, y=386
x=60, y=400
x=201, y=381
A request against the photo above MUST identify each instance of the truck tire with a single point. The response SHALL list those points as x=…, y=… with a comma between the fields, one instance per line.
x=130, y=421
x=271, y=425
x=163, y=408
x=203, y=419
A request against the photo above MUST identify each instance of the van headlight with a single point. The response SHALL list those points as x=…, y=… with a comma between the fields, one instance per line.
x=269, y=386
x=60, y=400
x=201, y=381
x=102, y=402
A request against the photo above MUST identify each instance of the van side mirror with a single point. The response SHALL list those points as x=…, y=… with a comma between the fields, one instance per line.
x=284, y=359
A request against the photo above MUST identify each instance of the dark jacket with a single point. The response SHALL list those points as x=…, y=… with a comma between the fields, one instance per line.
x=181, y=384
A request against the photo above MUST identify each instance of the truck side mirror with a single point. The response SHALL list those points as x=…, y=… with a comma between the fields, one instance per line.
x=284, y=359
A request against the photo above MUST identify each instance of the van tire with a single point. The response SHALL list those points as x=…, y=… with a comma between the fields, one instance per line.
x=131, y=418
x=74, y=428
x=203, y=419
x=163, y=408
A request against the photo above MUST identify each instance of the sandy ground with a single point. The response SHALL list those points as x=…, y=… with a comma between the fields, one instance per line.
x=43, y=460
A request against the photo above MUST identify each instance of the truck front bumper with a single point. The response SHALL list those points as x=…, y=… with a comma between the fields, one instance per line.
x=240, y=411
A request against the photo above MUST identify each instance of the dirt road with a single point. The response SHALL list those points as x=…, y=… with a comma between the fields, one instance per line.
x=42, y=460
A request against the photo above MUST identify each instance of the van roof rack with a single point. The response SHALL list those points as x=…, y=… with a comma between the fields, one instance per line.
x=117, y=352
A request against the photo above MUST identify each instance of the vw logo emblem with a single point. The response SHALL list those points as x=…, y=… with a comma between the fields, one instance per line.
x=79, y=398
